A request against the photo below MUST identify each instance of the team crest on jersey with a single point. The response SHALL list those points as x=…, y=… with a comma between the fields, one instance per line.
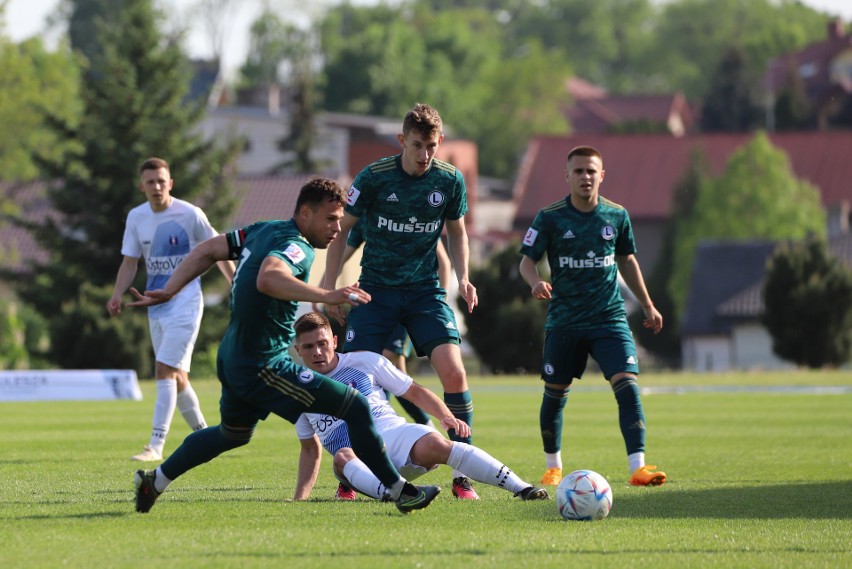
x=608, y=232
x=436, y=198
x=294, y=253
x=548, y=368
x=529, y=238
x=352, y=195
x=306, y=376
x=350, y=335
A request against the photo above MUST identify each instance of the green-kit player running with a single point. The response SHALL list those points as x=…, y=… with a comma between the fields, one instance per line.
x=406, y=200
x=588, y=241
x=258, y=376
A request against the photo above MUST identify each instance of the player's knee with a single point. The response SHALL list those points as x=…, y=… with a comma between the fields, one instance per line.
x=620, y=377
x=431, y=450
x=342, y=457
x=237, y=436
x=454, y=379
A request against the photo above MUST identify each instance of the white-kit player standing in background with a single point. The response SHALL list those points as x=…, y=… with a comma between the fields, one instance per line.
x=163, y=231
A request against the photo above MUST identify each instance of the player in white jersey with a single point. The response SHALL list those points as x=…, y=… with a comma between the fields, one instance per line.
x=163, y=231
x=413, y=448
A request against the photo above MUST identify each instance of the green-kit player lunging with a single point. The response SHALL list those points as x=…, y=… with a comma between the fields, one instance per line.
x=406, y=200
x=588, y=241
x=258, y=376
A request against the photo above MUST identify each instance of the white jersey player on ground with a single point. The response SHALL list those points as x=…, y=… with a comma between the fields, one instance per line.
x=163, y=231
x=413, y=448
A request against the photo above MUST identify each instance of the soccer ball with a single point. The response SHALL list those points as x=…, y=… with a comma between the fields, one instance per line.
x=584, y=495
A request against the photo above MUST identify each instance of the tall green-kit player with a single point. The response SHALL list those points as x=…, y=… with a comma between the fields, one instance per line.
x=588, y=241
x=406, y=201
x=258, y=376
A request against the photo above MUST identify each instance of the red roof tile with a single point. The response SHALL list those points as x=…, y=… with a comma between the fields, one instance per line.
x=643, y=170
x=266, y=197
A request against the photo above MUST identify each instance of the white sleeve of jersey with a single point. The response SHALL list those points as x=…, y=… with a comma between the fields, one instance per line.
x=389, y=377
x=304, y=429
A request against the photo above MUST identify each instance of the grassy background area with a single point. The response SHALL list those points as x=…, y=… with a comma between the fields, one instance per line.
x=757, y=478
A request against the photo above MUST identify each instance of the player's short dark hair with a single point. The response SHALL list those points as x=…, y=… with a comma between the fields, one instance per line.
x=319, y=190
x=309, y=322
x=583, y=151
x=153, y=163
x=422, y=119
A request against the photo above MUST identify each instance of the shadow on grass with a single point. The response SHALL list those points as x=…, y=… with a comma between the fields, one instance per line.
x=805, y=500
x=82, y=516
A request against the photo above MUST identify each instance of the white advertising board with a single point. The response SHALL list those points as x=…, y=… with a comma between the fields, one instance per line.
x=69, y=385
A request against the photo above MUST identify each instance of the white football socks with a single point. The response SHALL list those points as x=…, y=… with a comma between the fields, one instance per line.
x=190, y=408
x=164, y=408
x=362, y=479
x=636, y=460
x=477, y=464
x=553, y=459
x=160, y=481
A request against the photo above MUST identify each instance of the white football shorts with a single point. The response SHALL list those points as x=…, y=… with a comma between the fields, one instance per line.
x=399, y=442
x=173, y=337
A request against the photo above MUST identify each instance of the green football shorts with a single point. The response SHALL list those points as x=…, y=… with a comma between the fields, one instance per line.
x=423, y=312
x=566, y=352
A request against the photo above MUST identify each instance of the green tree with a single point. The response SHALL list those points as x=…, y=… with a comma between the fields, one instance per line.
x=792, y=110
x=730, y=105
x=507, y=330
x=33, y=80
x=454, y=60
x=377, y=55
x=134, y=106
x=667, y=345
x=523, y=101
x=757, y=196
x=269, y=45
x=808, y=305
x=691, y=37
x=606, y=41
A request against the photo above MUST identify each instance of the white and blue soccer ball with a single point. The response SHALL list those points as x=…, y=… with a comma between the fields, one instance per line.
x=584, y=495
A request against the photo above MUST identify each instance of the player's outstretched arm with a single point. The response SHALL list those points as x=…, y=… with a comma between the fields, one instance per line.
x=275, y=279
x=334, y=259
x=310, y=458
x=123, y=279
x=628, y=266
x=199, y=260
x=432, y=404
x=459, y=251
x=529, y=271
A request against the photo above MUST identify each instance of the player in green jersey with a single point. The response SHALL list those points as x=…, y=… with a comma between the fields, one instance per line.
x=588, y=241
x=257, y=374
x=405, y=201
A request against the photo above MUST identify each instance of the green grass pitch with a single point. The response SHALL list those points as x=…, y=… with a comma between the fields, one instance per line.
x=759, y=476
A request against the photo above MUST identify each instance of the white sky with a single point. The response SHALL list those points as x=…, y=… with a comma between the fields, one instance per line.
x=26, y=18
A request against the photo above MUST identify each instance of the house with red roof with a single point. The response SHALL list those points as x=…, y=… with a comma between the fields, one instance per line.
x=824, y=70
x=595, y=111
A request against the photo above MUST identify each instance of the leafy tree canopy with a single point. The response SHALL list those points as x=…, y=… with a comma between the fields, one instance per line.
x=808, y=305
x=757, y=196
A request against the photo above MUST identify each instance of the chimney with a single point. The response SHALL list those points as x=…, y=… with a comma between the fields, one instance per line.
x=836, y=29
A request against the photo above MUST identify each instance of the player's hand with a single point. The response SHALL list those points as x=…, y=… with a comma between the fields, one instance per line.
x=113, y=306
x=653, y=318
x=461, y=428
x=150, y=298
x=351, y=295
x=468, y=293
x=541, y=290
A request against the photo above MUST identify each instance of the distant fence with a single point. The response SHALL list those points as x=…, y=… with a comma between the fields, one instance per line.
x=69, y=385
